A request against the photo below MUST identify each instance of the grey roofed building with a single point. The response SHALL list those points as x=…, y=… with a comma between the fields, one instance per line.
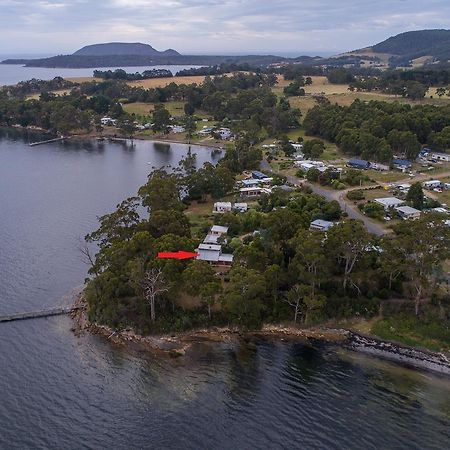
x=209, y=252
x=406, y=212
x=212, y=254
x=241, y=207
x=211, y=239
x=389, y=202
x=321, y=225
x=222, y=207
x=218, y=229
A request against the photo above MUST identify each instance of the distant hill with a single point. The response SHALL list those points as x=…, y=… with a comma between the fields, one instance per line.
x=412, y=48
x=122, y=48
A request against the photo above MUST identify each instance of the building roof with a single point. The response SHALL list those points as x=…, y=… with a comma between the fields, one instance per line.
x=440, y=210
x=241, y=205
x=322, y=223
x=222, y=205
x=208, y=255
x=359, y=162
x=407, y=210
x=445, y=155
x=224, y=257
x=401, y=162
x=389, y=202
x=211, y=239
x=219, y=229
x=251, y=182
x=258, y=174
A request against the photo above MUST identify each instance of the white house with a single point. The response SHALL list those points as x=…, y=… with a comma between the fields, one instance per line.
x=254, y=191
x=211, y=251
x=432, y=184
x=441, y=156
x=240, y=207
x=108, y=121
x=321, y=225
x=408, y=213
x=177, y=129
x=403, y=187
x=213, y=255
x=389, y=202
x=219, y=230
x=222, y=207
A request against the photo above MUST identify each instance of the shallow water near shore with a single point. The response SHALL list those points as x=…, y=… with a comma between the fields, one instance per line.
x=58, y=390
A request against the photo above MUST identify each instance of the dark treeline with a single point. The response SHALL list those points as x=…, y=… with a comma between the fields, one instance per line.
x=283, y=272
x=246, y=100
x=379, y=130
x=407, y=83
x=36, y=86
x=120, y=74
x=219, y=69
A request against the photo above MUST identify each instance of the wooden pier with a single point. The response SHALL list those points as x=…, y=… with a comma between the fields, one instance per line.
x=48, y=141
x=59, y=311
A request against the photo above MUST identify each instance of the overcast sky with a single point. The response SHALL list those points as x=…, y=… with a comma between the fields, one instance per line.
x=213, y=26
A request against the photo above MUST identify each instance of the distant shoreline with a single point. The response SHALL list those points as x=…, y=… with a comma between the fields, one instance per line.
x=99, y=137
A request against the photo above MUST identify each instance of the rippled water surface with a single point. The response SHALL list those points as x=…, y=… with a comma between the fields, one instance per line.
x=62, y=392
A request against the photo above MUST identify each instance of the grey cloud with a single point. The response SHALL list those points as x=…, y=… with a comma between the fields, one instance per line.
x=214, y=25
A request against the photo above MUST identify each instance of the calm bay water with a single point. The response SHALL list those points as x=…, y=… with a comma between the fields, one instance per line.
x=12, y=74
x=59, y=391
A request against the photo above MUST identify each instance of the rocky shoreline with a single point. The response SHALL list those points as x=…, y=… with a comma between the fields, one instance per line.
x=179, y=344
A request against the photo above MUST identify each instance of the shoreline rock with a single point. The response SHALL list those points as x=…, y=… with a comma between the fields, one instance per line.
x=413, y=357
x=178, y=344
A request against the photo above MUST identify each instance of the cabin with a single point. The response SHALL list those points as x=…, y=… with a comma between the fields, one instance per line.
x=408, y=213
x=218, y=230
x=389, y=202
x=222, y=207
x=321, y=225
x=240, y=207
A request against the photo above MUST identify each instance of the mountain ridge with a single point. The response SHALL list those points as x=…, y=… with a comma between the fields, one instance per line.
x=122, y=48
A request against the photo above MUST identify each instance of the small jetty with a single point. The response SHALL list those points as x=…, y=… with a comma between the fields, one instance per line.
x=58, y=311
x=48, y=141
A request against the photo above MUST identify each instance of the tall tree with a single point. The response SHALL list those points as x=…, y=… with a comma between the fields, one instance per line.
x=415, y=196
x=348, y=242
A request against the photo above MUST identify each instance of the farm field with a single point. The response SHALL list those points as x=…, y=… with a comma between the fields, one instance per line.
x=162, y=82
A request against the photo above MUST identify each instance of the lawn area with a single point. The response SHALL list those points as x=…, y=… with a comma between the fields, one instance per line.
x=144, y=109
x=200, y=216
x=339, y=93
x=414, y=331
x=386, y=177
x=443, y=197
x=371, y=194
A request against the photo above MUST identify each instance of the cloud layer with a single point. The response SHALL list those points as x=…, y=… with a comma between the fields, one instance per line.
x=213, y=26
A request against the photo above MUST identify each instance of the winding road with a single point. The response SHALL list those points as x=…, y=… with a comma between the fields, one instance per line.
x=347, y=205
